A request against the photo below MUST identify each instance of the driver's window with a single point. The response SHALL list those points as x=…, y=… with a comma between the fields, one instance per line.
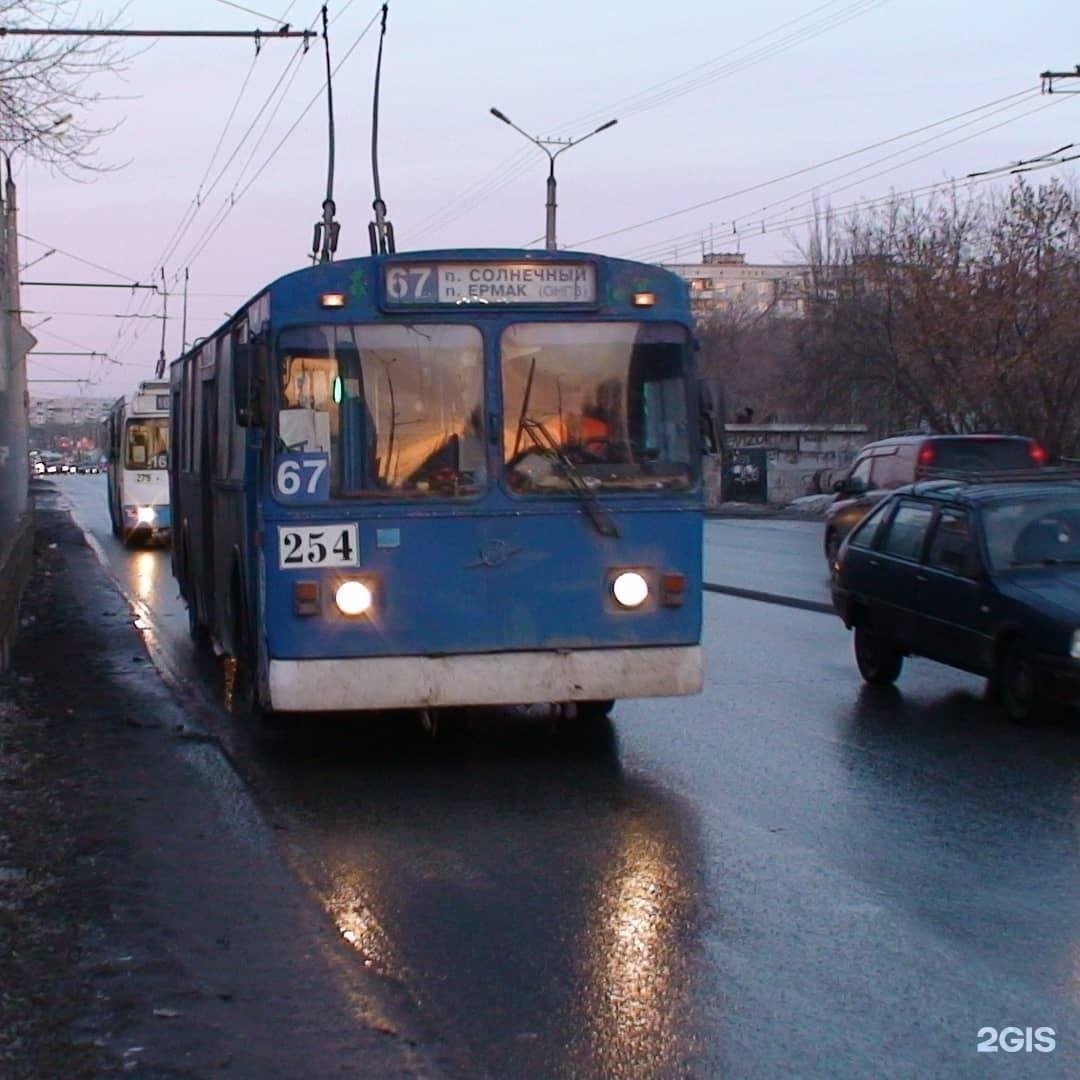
x=602, y=406
x=859, y=477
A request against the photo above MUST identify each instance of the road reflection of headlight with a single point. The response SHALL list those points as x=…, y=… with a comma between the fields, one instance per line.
x=145, y=575
x=639, y=979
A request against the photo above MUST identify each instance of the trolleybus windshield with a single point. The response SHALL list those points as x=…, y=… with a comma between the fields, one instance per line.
x=599, y=404
x=147, y=443
x=387, y=410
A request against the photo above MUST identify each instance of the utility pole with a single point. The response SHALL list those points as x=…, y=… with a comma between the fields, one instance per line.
x=160, y=372
x=183, y=321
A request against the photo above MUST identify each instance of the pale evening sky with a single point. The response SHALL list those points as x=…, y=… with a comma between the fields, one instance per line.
x=717, y=102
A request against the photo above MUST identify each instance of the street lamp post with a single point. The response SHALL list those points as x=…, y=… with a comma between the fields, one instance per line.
x=545, y=145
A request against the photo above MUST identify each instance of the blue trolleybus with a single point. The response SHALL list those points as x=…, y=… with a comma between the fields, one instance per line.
x=445, y=478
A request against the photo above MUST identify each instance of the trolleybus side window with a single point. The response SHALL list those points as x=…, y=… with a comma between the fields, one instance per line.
x=190, y=428
x=389, y=410
x=604, y=404
x=225, y=426
x=237, y=434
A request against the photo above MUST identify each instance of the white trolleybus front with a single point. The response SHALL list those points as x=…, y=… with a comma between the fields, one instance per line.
x=137, y=450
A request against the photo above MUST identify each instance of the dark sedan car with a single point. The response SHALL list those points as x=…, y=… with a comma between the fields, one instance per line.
x=983, y=576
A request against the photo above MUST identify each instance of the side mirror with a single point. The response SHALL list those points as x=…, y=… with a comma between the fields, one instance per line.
x=851, y=485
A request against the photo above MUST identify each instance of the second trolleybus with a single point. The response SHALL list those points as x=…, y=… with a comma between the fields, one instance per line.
x=446, y=478
x=136, y=438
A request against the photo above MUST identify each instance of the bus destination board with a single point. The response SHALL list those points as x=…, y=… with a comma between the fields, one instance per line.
x=491, y=283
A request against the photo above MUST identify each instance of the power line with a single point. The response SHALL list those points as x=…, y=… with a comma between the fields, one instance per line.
x=235, y=196
x=802, y=171
x=511, y=169
x=198, y=201
x=647, y=100
x=257, y=14
x=78, y=259
x=1017, y=101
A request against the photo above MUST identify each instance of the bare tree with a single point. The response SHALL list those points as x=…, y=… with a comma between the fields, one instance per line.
x=959, y=315
x=46, y=91
x=748, y=353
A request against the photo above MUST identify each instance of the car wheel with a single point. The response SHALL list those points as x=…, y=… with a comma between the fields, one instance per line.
x=878, y=659
x=1016, y=683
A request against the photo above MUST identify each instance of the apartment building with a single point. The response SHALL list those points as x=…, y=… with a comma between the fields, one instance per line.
x=725, y=281
x=67, y=411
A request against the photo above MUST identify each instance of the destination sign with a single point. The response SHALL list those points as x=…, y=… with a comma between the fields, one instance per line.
x=491, y=283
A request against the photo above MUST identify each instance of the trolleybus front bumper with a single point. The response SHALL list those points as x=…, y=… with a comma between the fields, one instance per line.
x=507, y=678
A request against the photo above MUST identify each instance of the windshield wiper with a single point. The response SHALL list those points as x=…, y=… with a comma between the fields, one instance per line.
x=600, y=517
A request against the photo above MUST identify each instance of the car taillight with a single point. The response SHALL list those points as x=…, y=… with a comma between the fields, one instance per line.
x=927, y=454
x=1038, y=453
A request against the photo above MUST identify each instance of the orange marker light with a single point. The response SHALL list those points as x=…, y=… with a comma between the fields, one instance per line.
x=672, y=589
x=306, y=598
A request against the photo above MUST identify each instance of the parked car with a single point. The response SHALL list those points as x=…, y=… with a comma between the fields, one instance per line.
x=883, y=466
x=983, y=576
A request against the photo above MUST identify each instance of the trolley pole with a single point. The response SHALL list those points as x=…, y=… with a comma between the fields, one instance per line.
x=561, y=146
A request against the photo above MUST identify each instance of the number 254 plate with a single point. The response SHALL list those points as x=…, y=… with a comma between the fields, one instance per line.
x=303, y=546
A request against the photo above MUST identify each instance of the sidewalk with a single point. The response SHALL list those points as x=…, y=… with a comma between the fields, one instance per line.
x=148, y=925
x=806, y=508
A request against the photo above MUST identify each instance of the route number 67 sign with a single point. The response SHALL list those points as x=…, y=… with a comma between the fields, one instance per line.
x=302, y=478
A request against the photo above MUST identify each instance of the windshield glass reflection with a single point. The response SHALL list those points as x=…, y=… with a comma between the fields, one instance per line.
x=609, y=398
x=392, y=410
x=1024, y=532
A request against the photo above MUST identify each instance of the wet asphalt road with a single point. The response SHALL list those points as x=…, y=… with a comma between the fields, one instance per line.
x=786, y=876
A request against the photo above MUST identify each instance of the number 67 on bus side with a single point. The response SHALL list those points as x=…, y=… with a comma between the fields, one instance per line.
x=302, y=478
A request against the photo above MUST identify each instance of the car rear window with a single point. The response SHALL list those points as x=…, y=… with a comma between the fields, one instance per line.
x=986, y=454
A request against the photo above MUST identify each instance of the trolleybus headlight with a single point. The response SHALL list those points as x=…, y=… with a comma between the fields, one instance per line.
x=353, y=598
x=332, y=299
x=644, y=299
x=145, y=515
x=630, y=589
